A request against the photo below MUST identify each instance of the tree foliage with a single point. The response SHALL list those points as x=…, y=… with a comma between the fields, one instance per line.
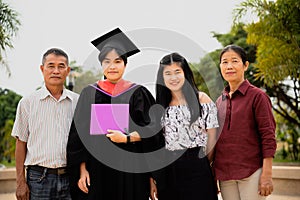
x=8, y=106
x=7, y=142
x=9, y=25
x=83, y=78
x=288, y=135
x=277, y=38
x=86, y=78
x=207, y=75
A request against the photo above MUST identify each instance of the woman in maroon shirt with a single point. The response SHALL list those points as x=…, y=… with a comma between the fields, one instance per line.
x=246, y=144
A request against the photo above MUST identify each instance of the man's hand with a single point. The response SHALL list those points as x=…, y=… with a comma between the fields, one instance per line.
x=22, y=191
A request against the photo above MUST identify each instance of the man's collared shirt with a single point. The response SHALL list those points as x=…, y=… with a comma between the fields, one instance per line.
x=43, y=122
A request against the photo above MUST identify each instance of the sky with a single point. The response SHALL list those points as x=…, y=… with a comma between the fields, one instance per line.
x=157, y=27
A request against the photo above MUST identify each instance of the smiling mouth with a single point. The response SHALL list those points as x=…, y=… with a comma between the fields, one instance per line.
x=174, y=83
x=229, y=73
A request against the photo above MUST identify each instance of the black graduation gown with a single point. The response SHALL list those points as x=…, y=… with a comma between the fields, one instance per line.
x=107, y=182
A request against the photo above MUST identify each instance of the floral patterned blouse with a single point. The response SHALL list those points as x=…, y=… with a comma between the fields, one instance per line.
x=178, y=132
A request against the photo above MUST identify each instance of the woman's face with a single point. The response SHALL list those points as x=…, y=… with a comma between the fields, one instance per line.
x=232, y=67
x=113, y=66
x=173, y=77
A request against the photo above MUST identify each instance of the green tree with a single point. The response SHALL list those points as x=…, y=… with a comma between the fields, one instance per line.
x=76, y=70
x=276, y=36
x=73, y=64
x=8, y=106
x=9, y=25
x=207, y=75
x=7, y=142
x=83, y=78
x=287, y=134
x=86, y=78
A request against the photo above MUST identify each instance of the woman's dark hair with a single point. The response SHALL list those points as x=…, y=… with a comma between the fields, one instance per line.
x=189, y=88
x=106, y=50
x=237, y=49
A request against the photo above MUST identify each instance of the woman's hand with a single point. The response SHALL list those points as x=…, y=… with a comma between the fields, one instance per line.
x=153, y=190
x=116, y=136
x=265, y=186
x=84, y=180
x=119, y=137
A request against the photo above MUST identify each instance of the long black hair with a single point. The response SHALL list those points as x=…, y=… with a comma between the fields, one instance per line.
x=189, y=88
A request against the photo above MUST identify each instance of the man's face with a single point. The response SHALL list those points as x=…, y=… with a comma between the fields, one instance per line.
x=55, y=70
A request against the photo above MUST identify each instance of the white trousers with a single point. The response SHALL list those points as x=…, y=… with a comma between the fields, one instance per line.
x=245, y=189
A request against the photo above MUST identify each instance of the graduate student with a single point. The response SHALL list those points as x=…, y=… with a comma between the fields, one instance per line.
x=110, y=165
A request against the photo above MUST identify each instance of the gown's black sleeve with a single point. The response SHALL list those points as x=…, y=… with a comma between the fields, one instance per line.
x=146, y=119
x=76, y=152
x=148, y=116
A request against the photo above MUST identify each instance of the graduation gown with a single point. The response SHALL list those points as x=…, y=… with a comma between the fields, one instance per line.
x=111, y=182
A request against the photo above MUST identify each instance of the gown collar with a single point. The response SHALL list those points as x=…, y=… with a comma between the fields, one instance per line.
x=115, y=89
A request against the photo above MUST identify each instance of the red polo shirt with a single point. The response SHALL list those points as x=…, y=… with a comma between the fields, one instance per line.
x=247, y=132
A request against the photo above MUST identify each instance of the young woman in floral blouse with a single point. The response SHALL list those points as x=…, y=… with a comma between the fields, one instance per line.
x=189, y=122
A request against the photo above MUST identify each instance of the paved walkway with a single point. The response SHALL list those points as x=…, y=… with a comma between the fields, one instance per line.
x=11, y=196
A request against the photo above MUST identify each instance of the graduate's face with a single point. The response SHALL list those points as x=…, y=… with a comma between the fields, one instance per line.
x=113, y=66
x=173, y=77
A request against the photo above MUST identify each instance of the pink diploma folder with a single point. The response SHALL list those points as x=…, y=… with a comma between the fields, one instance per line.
x=109, y=116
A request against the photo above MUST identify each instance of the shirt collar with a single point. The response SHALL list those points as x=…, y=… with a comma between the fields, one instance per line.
x=242, y=89
x=115, y=89
x=45, y=93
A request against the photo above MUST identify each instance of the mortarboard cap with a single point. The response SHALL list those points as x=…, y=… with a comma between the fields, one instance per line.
x=118, y=40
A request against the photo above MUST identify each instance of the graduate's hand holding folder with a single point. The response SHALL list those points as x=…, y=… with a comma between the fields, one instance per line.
x=116, y=136
x=113, y=121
